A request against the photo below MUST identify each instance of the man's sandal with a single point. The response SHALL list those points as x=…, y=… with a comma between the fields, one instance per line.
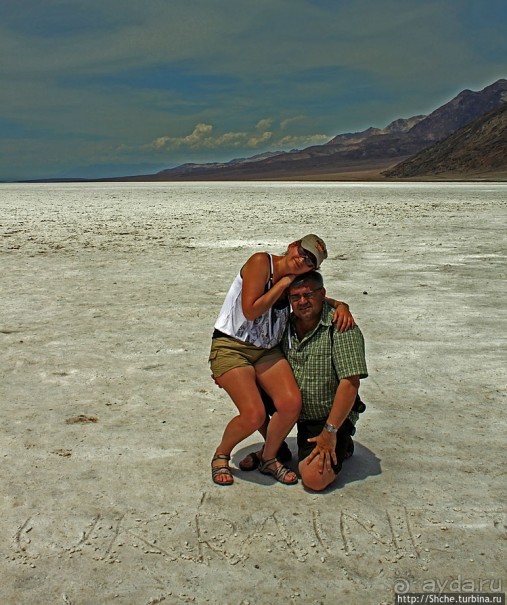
x=221, y=471
x=279, y=473
x=251, y=461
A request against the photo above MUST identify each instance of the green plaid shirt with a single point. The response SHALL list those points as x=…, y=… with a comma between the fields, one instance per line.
x=319, y=363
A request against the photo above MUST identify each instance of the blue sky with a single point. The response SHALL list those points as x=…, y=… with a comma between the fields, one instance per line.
x=114, y=87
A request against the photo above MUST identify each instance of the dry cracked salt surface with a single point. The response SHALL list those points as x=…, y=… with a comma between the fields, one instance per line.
x=109, y=418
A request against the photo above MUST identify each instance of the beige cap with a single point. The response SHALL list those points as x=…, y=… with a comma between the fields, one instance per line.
x=316, y=246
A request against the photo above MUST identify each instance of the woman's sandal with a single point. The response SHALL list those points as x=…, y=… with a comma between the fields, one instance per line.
x=221, y=471
x=251, y=461
x=279, y=473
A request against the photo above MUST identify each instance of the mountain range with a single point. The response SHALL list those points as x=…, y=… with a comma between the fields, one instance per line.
x=358, y=154
x=464, y=138
x=374, y=150
x=478, y=149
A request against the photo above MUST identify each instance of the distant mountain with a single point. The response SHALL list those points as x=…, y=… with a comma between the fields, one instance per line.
x=355, y=138
x=476, y=149
x=189, y=168
x=368, y=154
x=373, y=148
x=463, y=109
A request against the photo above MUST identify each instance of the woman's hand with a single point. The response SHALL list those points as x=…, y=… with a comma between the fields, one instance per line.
x=286, y=280
x=255, y=300
x=343, y=318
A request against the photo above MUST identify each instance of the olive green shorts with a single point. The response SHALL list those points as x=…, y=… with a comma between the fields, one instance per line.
x=227, y=354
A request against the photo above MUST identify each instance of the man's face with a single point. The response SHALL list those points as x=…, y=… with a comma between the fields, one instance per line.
x=307, y=301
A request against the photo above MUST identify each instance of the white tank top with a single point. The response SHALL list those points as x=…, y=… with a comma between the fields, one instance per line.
x=265, y=331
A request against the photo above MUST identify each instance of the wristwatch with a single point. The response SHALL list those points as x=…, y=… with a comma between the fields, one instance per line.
x=330, y=428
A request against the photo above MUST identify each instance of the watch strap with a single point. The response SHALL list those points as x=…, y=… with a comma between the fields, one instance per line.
x=330, y=428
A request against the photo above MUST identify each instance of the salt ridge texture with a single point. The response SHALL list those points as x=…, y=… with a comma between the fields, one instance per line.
x=109, y=294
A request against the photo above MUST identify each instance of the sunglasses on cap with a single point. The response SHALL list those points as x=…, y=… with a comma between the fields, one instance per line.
x=310, y=259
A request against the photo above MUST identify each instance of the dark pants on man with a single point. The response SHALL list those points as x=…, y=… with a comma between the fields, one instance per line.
x=313, y=428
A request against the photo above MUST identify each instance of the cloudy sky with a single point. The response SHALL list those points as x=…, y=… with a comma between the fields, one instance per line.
x=115, y=87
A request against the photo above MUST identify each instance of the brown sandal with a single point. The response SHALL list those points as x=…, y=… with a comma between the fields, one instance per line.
x=221, y=471
x=279, y=473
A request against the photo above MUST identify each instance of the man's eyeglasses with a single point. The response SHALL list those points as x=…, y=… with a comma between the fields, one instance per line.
x=310, y=259
x=293, y=298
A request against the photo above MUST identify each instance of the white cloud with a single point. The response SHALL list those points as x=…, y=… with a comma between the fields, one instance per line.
x=198, y=138
x=203, y=137
x=288, y=121
x=264, y=124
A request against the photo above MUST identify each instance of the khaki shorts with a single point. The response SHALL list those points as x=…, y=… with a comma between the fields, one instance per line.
x=227, y=354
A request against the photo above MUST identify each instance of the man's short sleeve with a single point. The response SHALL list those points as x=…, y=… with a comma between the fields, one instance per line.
x=348, y=353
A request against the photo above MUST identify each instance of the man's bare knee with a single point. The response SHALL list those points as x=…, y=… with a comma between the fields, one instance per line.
x=314, y=480
x=316, y=484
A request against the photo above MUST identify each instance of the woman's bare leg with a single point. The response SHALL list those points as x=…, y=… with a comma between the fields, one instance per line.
x=241, y=386
x=277, y=379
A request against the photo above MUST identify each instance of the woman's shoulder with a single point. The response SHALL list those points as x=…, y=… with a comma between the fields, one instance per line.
x=262, y=257
x=257, y=262
x=256, y=270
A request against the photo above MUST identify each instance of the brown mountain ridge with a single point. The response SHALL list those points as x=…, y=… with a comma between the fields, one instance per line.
x=362, y=153
x=477, y=149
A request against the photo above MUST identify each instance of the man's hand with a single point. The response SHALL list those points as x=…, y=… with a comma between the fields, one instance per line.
x=325, y=449
x=342, y=318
